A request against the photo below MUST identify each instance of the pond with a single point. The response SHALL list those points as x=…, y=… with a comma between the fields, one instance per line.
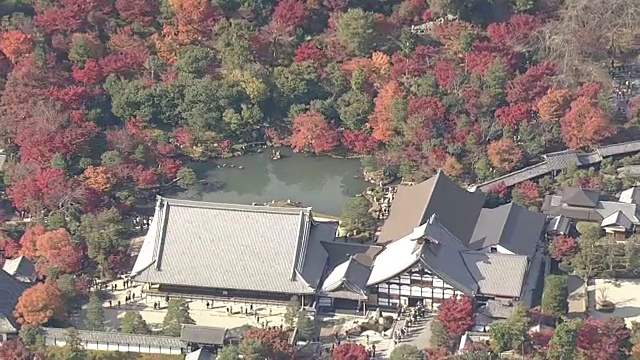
x=321, y=182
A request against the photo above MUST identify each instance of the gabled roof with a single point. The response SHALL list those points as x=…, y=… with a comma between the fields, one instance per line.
x=228, y=246
x=104, y=337
x=10, y=291
x=200, y=354
x=198, y=334
x=575, y=196
x=497, y=274
x=553, y=205
x=21, y=268
x=559, y=224
x=511, y=226
x=630, y=196
x=608, y=208
x=438, y=250
x=456, y=208
x=350, y=276
x=618, y=218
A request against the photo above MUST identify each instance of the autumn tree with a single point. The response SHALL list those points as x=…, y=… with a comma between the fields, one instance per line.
x=349, y=351
x=193, y=17
x=15, y=350
x=142, y=12
x=15, y=43
x=553, y=105
x=311, y=132
x=99, y=178
x=563, y=247
x=504, y=154
x=456, y=314
x=381, y=120
x=39, y=304
x=585, y=124
x=287, y=15
x=28, y=241
x=57, y=251
x=526, y=193
x=275, y=340
x=604, y=339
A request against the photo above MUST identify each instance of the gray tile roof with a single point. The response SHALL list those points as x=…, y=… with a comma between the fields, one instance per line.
x=442, y=254
x=575, y=196
x=511, y=226
x=559, y=224
x=200, y=354
x=630, y=211
x=203, y=334
x=226, y=246
x=456, y=208
x=617, y=219
x=347, y=280
x=497, y=274
x=50, y=334
x=10, y=291
x=21, y=268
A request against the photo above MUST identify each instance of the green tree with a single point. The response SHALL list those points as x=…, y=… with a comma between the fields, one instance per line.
x=187, y=178
x=406, y=352
x=357, y=31
x=496, y=79
x=72, y=350
x=252, y=349
x=511, y=334
x=30, y=336
x=177, y=315
x=292, y=312
x=295, y=83
x=133, y=323
x=563, y=344
x=111, y=158
x=356, y=217
x=104, y=233
x=354, y=108
x=589, y=259
x=95, y=314
x=229, y=352
x=58, y=161
x=439, y=335
x=500, y=334
x=306, y=327
x=232, y=43
x=193, y=61
x=554, y=296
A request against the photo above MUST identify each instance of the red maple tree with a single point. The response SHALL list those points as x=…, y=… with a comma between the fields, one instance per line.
x=349, y=351
x=40, y=303
x=604, y=339
x=14, y=350
x=456, y=314
x=56, y=249
x=504, y=153
x=562, y=247
x=275, y=340
x=513, y=114
x=380, y=121
x=308, y=51
x=287, y=15
x=585, y=124
x=311, y=132
x=358, y=141
x=15, y=43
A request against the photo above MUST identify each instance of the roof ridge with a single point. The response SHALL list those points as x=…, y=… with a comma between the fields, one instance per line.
x=494, y=254
x=236, y=207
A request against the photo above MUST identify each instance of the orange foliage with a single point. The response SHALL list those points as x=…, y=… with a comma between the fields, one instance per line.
x=553, y=105
x=167, y=44
x=585, y=124
x=380, y=63
x=504, y=154
x=449, y=33
x=14, y=44
x=39, y=304
x=28, y=241
x=57, y=250
x=380, y=121
x=193, y=17
x=99, y=178
x=452, y=166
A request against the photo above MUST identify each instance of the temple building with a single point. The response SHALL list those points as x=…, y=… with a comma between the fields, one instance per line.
x=438, y=242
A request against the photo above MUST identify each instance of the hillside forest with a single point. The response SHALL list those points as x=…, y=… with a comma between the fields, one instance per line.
x=104, y=101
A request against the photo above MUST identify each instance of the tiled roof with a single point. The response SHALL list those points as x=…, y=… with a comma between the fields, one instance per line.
x=456, y=208
x=630, y=196
x=10, y=291
x=200, y=354
x=497, y=274
x=617, y=219
x=21, y=268
x=511, y=226
x=561, y=160
x=114, y=338
x=203, y=334
x=255, y=248
x=559, y=224
x=576, y=196
x=347, y=280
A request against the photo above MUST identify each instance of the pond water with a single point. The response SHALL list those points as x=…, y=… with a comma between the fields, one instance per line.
x=323, y=183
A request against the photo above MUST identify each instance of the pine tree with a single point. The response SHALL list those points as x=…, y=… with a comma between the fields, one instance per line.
x=133, y=323
x=293, y=311
x=95, y=314
x=177, y=314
